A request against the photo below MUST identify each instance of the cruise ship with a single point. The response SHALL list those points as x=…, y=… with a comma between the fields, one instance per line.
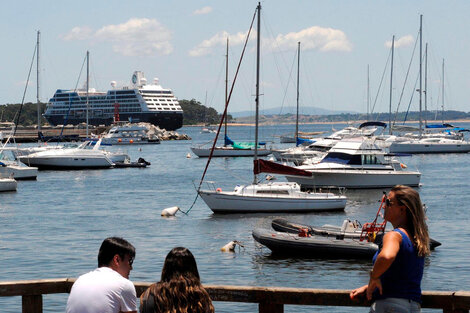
x=140, y=102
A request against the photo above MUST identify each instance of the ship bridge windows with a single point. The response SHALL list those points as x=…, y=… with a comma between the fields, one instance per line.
x=342, y=158
x=370, y=159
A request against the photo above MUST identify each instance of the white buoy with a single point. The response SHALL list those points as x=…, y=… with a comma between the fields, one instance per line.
x=170, y=211
x=188, y=156
x=230, y=247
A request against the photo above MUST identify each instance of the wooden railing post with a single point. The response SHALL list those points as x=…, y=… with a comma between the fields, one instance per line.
x=31, y=304
x=270, y=308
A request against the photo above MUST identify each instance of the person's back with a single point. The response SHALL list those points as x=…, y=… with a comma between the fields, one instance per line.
x=179, y=290
x=107, y=289
x=102, y=290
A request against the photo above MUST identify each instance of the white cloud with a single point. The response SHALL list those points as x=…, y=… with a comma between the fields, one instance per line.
x=404, y=41
x=219, y=39
x=136, y=37
x=79, y=33
x=204, y=10
x=315, y=37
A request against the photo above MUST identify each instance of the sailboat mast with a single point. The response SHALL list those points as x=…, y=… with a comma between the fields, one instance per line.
x=87, y=88
x=298, y=78
x=391, y=85
x=442, y=91
x=37, y=84
x=226, y=92
x=368, y=92
x=425, y=85
x=420, y=73
x=258, y=40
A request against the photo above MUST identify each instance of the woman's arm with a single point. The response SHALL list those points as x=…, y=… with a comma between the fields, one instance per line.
x=391, y=246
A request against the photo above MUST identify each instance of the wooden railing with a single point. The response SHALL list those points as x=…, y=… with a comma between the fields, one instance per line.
x=269, y=299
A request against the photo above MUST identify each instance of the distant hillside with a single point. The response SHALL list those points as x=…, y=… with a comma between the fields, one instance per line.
x=290, y=110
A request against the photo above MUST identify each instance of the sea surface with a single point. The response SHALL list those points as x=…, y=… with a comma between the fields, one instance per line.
x=53, y=227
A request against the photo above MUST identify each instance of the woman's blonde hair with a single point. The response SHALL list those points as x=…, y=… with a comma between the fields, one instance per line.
x=416, y=217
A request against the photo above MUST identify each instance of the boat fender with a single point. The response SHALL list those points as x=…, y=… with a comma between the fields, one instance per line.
x=345, y=225
x=131, y=141
x=219, y=190
x=119, y=140
x=230, y=247
x=170, y=211
x=402, y=165
x=303, y=232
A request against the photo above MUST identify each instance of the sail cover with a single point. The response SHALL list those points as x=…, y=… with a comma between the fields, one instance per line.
x=263, y=166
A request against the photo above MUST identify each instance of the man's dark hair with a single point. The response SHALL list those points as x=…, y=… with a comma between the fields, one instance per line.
x=112, y=246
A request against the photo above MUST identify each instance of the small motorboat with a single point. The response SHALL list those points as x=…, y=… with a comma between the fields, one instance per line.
x=7, y=184
x=139, y=163
x=350, y=240
x=349, y=229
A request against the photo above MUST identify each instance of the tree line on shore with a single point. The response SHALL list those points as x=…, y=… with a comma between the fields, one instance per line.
x=195, y=113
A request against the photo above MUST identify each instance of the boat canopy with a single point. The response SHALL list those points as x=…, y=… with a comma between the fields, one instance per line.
x=303, y=141
x=241, y=144
x=373, y=123
x=440, y=126
x=264, y=166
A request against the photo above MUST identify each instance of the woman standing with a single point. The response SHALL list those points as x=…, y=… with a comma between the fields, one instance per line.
x=179, y=290
x=395, y=279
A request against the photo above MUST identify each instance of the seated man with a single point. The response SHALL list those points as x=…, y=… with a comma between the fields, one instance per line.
x=107, y=289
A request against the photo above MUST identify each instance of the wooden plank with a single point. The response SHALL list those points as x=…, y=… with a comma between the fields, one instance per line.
x=31, y=304
x=35, y=287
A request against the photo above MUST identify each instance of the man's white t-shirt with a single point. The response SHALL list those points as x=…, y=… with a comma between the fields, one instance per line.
x=102, y=291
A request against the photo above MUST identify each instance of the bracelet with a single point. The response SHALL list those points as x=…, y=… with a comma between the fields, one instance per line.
x=370, y=275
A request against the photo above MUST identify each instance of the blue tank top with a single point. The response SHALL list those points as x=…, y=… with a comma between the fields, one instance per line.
x=403, y=277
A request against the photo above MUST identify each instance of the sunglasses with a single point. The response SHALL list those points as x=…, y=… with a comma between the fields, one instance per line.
x=131, y=260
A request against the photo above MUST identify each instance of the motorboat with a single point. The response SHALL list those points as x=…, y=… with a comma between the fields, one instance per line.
x=430, y=145
x=357, y=163
x=72, y=158
x=314, y=246
x=7, y=184
x=318, y=147
x=17, y=170
x=350, y=240
x=272, y=196
x=128, y=134
x=348, y=229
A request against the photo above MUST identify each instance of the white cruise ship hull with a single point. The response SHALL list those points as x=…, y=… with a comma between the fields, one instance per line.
x=230, y=202
x=358, y=178
x=228, y=152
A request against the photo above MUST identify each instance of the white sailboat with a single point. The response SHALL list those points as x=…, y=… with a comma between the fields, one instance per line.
x=230, y=148
x=268, y=197
x=428, y=143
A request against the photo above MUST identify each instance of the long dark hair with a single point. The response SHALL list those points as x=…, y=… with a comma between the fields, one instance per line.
x=180, y=289
x=416, y=217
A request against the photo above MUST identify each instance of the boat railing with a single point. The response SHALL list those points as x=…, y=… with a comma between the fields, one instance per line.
x=269, y=299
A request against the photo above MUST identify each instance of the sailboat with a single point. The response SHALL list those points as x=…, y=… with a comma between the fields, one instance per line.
x=230, y=147
x=273, y=196
x=428, y=143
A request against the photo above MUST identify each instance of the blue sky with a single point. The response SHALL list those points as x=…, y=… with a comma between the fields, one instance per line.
x=183, y=44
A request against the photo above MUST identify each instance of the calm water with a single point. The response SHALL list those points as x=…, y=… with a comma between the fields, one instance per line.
x=53, y=227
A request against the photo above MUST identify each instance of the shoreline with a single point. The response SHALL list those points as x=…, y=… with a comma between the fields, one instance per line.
x=323, y=123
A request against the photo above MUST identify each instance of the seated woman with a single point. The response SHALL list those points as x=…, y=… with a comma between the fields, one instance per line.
x=179, y=290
